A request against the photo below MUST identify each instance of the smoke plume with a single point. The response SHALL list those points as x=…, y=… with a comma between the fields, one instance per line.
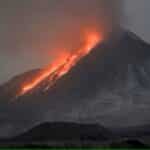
x=39, y=29
x=71, y=18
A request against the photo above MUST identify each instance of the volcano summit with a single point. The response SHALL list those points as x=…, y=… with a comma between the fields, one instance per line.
x=107, y=87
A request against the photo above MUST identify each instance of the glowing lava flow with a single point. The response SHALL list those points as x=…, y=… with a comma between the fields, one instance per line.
x=62, y=64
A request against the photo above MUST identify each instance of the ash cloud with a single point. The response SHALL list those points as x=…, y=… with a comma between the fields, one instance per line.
x=71, y=17
x=32, y=32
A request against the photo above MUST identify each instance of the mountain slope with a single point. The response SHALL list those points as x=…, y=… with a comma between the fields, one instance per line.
x=104, y=61
x=110, y=87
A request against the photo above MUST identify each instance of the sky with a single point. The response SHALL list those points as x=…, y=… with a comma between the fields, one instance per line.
x=23, y=27
x=137, y=17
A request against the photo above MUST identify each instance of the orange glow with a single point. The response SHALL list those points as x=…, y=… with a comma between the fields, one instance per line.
x=63, y=63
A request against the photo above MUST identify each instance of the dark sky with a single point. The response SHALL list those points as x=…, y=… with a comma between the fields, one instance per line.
x=25, y=32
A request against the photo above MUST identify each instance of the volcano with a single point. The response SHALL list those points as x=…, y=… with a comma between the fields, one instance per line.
x=109, y=86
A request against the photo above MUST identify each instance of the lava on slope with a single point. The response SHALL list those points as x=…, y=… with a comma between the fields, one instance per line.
x=62, y=64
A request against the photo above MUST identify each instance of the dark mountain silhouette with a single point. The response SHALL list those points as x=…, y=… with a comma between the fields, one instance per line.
x=65, y=131
x=72, y=134
x=123, y=65
x=60, y=134
x=129, y=144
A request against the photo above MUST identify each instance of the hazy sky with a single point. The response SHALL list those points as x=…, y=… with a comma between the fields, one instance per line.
x=18, y=20
x=137, y=15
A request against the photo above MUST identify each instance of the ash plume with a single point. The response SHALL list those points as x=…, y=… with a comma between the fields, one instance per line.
x=50, y=27
x=71, y=18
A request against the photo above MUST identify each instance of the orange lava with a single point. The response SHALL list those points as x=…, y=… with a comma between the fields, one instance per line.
x=62, y=64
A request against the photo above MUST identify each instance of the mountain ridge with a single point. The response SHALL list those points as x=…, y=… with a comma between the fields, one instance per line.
x=133, y=38
x=106, y=87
